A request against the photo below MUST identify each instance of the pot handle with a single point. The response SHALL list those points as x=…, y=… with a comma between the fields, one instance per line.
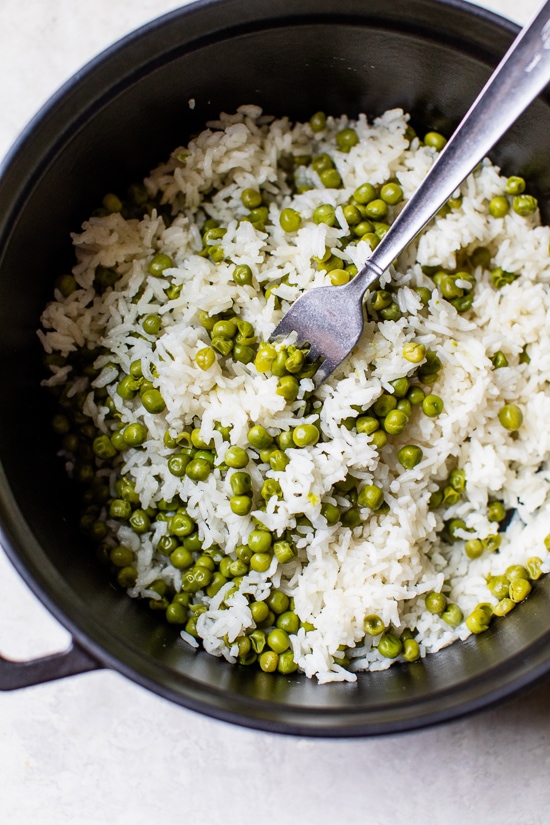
x=15, y=674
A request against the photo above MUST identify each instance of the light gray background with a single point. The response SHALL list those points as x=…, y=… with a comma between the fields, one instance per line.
x=97, y=749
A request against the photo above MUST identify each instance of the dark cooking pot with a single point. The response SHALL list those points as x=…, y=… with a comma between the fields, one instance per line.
x=107, y=128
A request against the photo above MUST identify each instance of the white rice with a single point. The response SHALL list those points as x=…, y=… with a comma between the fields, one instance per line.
x=387, y=564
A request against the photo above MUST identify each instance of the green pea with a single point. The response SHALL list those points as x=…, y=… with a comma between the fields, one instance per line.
x=286, y=663
x=400, y=387
x=395, y=422
x=278, y=460
x=103, y=448
x=120, y=509
x=432, y=406
x=284, y=551
x=473, y=548
x=351, y=214
x=424, y=294
x=447, y=286
x=121, y=556
x=503, y=607
x=364, y=194
x=268, y=661
x=496, y=511
x=379, y=439
x=330, y=178
x=457, y=480
x=241, y=483
x=510, y=417
x=260, y=562
x=515, y=185
x=270, y=488
x=181, y=524
x=533, y=565
x=452, y=615
x=243, y=354
x=259, y=541
x=325, y=213
x=338, y=277
x=128, y=387
x=371, y=496
x=181, y=558
x=391, y=193
x=125, y=489
x=499, y=586
x=318, y=122
x=499, y=206
x=500, y=278
x=362, y=228
x=135, y=434
x=322, y=162
x=409, y=456
x=236, y=457
x=288, y=621
x=405, y=406
x=238, y=568
x=373, y=625
x=290, y=220
x=524, y=205
x=177, y=464
x=432, y=364
x=259, y=438
x=416, y=396
x=478, y=621
x=516, y=571
x=284, y=440
x=288, y=386
x=346, y=139
x=242, y=275
x=411, y=650
x=305, y=435
x=278, y=640
x=127, y=576
x=366, y=424
x=435, y=140
x=205, y=357
x=295, y=361
x=499, y=360
x=151, y=324
x=331, y=513
x=389, y=646
x=278, y=602
x=492, y=542
x=153, y=401
x=384, y=404
x=435, y=602
x=66, y=284
x=167, y=545
x=381, y=299
x=140, y=522
x=251, y=198
x=391, y=312
x=159, y=263
x=198, y=469
x=259, y=611
x=224, y=329
x=376, y=209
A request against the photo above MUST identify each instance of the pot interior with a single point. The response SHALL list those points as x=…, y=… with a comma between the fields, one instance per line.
x=107, y=130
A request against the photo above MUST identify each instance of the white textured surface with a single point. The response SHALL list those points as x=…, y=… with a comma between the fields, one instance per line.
x=96, y=749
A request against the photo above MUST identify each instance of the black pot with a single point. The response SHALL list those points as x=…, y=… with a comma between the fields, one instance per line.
x=105, y=129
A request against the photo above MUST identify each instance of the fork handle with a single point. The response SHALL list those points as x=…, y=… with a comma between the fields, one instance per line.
x=518, y=79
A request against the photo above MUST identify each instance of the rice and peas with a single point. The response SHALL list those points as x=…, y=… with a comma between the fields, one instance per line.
x=397, y=508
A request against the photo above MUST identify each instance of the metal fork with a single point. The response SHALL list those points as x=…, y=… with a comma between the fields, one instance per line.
x=330, y=319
